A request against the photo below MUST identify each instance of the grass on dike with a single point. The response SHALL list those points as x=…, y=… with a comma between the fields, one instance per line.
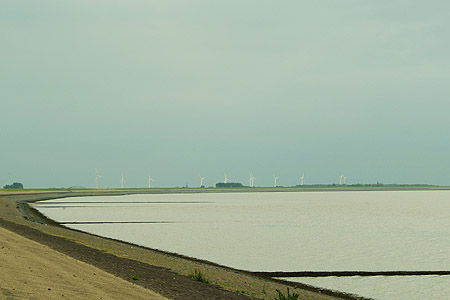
x=199, y=276
x=289, y=296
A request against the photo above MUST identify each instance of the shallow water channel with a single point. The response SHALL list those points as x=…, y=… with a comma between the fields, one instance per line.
x=287, y=231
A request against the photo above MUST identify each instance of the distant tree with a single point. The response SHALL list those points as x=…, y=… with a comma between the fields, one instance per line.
x=228, y=184
x=15, y=185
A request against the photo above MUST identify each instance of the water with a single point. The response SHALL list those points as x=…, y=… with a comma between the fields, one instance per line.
x=393, y=288
x=318, y=231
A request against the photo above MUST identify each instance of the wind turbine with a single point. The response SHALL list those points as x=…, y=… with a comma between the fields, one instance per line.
x=201, y=180
x=122, y=182
x=275, y=181
x=225, y=180
x=150, y=181
x=302, y=179
x=97, y=177
x=340, y=179
x=252, y=180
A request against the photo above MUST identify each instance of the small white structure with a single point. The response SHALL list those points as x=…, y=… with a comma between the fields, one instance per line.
x=97, y=177
x=150, y=181
x=252, y=180
x=226, y=179
x=201, y=180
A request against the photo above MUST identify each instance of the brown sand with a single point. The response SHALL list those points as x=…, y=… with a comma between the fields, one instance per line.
x=33, y=271
x=163, y=273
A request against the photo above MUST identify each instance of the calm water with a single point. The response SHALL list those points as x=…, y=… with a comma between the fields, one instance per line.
x=316, y=231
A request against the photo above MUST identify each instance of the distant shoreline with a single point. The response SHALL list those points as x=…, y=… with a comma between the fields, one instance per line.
x=175, y=190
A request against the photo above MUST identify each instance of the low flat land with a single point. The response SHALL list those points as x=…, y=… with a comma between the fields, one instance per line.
x=41, y=260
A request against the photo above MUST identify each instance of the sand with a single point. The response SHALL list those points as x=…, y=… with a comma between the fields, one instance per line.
x=33, y=271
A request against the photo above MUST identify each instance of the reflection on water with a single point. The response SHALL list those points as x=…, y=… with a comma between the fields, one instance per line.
x=298, y=231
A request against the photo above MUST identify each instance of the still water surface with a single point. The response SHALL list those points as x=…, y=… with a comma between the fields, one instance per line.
x=295, y=231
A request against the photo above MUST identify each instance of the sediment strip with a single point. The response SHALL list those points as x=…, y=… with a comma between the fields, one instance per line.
x=349, y=273
x=116, y=222
x=125, y=202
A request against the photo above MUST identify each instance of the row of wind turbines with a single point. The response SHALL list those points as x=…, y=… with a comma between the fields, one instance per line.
x=252, y=179
x=122, y=181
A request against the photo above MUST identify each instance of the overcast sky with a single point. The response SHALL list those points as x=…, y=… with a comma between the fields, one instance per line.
x=178, y=89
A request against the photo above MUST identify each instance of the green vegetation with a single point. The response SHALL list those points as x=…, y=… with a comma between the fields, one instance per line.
x=199, y=276
x=281, y=296
x=229, y=185
x=135, y=277
x=15, y=185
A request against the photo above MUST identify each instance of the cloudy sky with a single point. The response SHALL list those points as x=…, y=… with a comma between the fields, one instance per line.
x=178, y=89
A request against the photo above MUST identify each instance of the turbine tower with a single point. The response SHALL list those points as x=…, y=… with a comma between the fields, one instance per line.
x=97, y=177
x=201, y=180
x=302, y=179
x=226, y=179
x=340, y=179
x=122, y=182
x=275, y=181
x=150, y=181
x=252, y=180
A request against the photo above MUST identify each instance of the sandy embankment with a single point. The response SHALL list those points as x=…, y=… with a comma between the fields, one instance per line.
x=163, y=273
x=33, y=271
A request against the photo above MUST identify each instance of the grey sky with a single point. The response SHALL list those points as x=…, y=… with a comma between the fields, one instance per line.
x=180, y=89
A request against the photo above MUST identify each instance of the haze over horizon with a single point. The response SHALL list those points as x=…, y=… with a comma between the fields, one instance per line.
x=178, y=89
